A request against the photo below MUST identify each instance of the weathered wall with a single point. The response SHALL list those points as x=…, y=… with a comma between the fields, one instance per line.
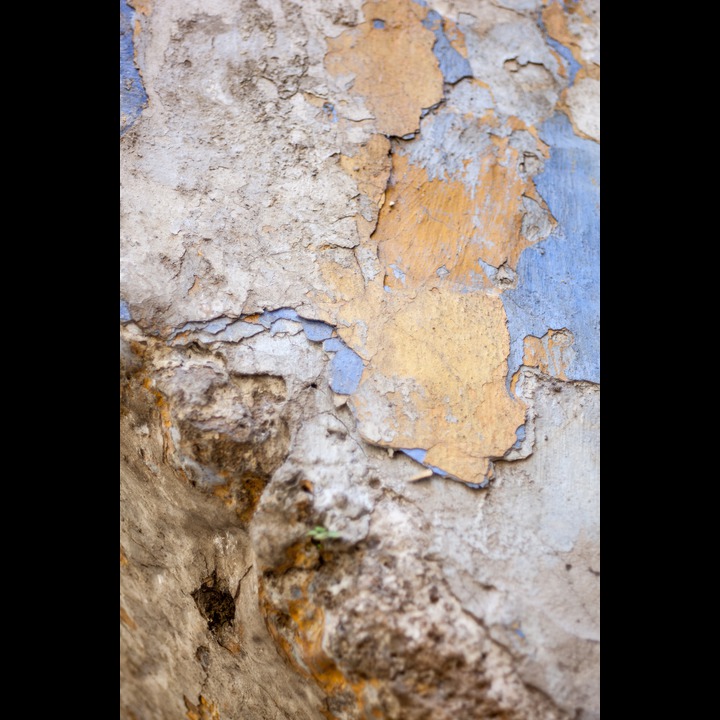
x=360, y=291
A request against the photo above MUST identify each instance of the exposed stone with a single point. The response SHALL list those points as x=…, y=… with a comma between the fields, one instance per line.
x=359, y=331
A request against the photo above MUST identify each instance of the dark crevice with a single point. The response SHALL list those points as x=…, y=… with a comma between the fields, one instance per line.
x=215, y=603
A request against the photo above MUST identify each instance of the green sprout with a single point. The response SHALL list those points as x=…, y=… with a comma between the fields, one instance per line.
x=320, y=533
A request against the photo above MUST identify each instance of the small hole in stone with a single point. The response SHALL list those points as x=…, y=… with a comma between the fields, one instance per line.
x=215, y=603
x=568, y=566
x=203, y=656
x=374, y=483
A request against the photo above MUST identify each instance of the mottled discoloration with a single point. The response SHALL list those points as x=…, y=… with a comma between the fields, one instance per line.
x=552, y=354
x=454, y=223
x=391, y=66
x=132, y=93
x=336, y=245
x=559, y=285
x=436, y=381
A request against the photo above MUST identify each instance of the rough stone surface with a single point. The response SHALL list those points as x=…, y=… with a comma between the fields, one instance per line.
x=359, y=359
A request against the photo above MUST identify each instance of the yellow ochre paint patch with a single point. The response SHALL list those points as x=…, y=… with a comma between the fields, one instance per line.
x=430, y=326
x=447, y=225
x=436, y=376
x=551, y=354
x=391, y=58
x=370, y=167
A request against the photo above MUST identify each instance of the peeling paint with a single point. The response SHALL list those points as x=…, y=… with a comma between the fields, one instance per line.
x=124, y=312
x=427, y=364
x=552, y=354
x=452, y=223
x=559, y=278
x=391, y=66
x=132, y=92
x=346, y=369
x=453, y=65
x=316, y=331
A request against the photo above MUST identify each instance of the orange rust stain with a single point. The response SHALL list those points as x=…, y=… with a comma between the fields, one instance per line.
x=429, y=224
x=204, y=710
x=394, y=68
x=123, y=557
x=160, y=402
x=195, y=286
x=551, y=354
x=126, y=620
x=299, y=633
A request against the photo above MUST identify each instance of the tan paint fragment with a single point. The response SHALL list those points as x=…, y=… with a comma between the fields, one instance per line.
x=394, y=68
x=437, y=376
x=455, y=36
x=144, y=7
x=551, y=354
x=426, y=225
x=370, y=168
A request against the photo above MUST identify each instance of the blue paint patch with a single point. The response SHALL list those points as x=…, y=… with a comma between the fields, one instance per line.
x=520, y=435
x=490, y=270
x=559, y=278
x=453, y=65
x=417, y=454
x=124, y=312
x=330, y=110
x=477, y=486
x=346, y=369
x=564, y=52
x=398, y=273
x=379, y=24
x=132, y=93
x=333, y=345
x=268, y=318
x=436, y=470
x=216, y=326
x=315, y=330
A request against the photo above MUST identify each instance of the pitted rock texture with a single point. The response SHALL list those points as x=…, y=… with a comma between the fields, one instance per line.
x=359, y=354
